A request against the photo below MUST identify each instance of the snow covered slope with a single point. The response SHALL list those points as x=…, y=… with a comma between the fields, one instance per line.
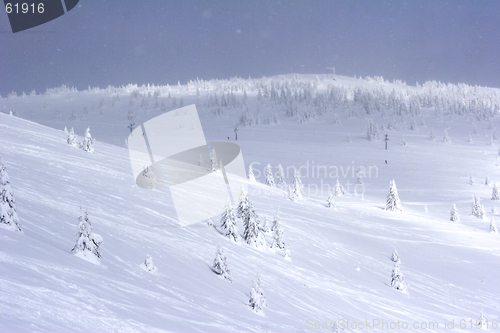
x=340, y=265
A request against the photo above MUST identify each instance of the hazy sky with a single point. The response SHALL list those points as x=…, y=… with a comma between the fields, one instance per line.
x=101, y=43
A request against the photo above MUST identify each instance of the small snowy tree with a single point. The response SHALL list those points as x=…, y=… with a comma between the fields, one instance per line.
x=65, y=130
x=487, y=181
x=228, y=222
x=88, y=143
x=446, y=138
x=87, y=242
x=251, y=176
x=482, y=322
x=338, y=191
x=395, y=256
x=469, y=139
x=432, y=136
x=213, y=160
x=219, y=265
x=330, y=203
x=201, y=163
x=280, y=177
x=71, y=138
x=454, y=217
x=279, y=239
x=8, y=211
x=471, y=181
x=494, y=193
x=397, y=278
x=477, y=208
x=393, y=202
x=148, y=265
x=493, y=226
x=252, y=233
x=295, y=191
x=268, y=173
x=257, y=299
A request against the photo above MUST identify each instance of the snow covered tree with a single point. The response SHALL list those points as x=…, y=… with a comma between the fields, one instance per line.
x=295, y=191
x=471, y=181
x=280, y=177
x=432, y=136
x=87, y=242
x=219, y=265
x=268, y=173
x=477, y=208
x=446, y=138
x=213, y=160
x=279, y=239
x=8, y=211
x=228, y=222
x=330, y=203
x=469, y=139
x=65, y=130
x=71, y=138
x=494, y=211
x=338, y=191
x=397, y=278
x=487, y=181
x=251, y=176
x=148, y=265
x=395, y=256
x=482, y=322
x=454, y=217
x=493, y=226
x=393, y=202
x=276, y=220
x=252, y=230
x=88, y=143
x=201, y=163
x=372, y=131
x=257, y=299
x=494, y=193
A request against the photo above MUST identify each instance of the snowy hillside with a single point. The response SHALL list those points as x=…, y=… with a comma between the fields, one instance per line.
x=340, y=259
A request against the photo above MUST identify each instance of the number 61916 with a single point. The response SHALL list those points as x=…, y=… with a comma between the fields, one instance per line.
x=24, y=8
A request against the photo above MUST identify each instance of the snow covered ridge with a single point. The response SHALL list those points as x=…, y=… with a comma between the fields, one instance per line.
x=271, y=261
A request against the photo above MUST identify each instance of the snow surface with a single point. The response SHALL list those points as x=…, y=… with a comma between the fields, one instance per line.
x=340, y=263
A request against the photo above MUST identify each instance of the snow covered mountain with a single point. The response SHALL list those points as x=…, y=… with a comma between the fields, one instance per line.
x=440, y=137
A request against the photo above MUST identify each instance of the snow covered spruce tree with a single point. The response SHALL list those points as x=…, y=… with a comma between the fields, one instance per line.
x=494, y=193
x=71, y=138
x=213, y=160
x=393, y=202
x=446, y=138
x=471, y=181
x=88, y=142
x=257, y=299
x=454, y=217
x=493, y=226
x=251, y=176
x=330, y=203
x=219, y=266
x=228, y=222
x=279, y=244
x=88, y=242
x=395, y=256
x=487, y=181
x=397, y=278
x=269, y=178
x=8, y=211
x=252, y=233
x=295, y=191
x=148, y=265
x=338, y=191
x=477, y=208
x=280, y=177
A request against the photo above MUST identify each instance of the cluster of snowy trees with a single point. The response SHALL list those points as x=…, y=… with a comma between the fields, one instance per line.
x=87, y=144
x=8, y=211
x=254, y=229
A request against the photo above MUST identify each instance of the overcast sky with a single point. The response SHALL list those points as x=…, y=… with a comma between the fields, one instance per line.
x=101, y=43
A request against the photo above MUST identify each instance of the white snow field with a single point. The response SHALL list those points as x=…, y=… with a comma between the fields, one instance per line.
x=339, y=267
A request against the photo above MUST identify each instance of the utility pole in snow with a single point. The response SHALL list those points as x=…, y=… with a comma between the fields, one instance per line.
x=236, y=132
x=386, y=140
